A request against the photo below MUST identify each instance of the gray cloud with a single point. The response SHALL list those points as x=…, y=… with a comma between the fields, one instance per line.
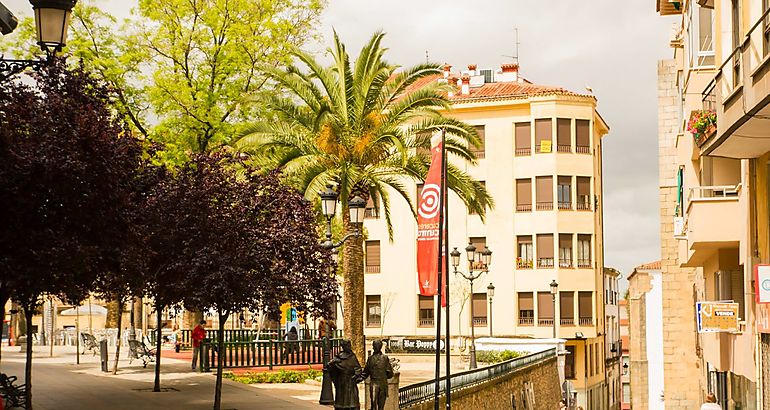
x=611, y=46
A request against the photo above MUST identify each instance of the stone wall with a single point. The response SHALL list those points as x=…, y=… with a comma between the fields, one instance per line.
x=542, y=379
x=681, y=348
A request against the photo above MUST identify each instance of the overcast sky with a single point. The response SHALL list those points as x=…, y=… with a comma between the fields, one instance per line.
x=609, y=45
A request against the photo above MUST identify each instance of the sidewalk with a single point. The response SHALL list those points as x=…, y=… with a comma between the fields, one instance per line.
x=58, y=383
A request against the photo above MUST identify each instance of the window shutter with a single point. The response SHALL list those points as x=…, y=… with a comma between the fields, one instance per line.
x=545, y=246
x=482, y=137
x=480, y=305
x=544, y=305
x=523, y=135
x=372, y=255
x=524, y=192
x=582, y=133
x=525, y=301
x=542, y=132
x=545, y=189
x=567, y=305
x=584, y=305
x=563, y=132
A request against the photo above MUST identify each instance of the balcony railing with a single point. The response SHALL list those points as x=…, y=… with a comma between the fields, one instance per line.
x=714, y=192
x=523, y=152
x=583, y=206
x=584, y=263
x=564, y=148
x=480, y=154
x=567, y=321
x=565, y=263
x=373, y=322
x=583, y=149
x=526, y=321
x=479, y=321
x=524, y=208
x=426, y=322
x=524, y=263
x=545, y=322
x=544, y=206
x=565, y=205
x=545, y=262
x=539, y=148
x=372, y=268
x=371, y=213
x=586, y=321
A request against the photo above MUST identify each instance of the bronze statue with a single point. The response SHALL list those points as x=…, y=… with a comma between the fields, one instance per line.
x=346, y=373
x=379, y=369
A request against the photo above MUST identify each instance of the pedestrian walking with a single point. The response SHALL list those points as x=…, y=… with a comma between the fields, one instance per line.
x=198, y=334
x=711, y=403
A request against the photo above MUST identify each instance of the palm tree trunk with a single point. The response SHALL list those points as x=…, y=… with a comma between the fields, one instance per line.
x=220, y=352
x=353, y=292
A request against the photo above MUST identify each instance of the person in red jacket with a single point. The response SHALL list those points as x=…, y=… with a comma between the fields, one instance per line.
x=198, y=334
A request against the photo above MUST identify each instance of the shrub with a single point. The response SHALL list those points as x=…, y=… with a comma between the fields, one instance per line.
x=493, y=356
x=281, y=376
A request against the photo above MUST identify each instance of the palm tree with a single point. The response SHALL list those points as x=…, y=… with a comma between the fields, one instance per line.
x=366, y=127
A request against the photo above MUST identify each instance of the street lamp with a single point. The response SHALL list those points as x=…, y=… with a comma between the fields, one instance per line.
x=52, y=19
x=625, y=369
x=356, y=211
x=554, y=290
x=484, y=260
x=490, y=294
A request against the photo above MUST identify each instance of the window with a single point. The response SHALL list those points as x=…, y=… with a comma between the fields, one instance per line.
x=426, y=307
x=543, y=135
x=565, y=250
x=564, y=192
x=583, y=193
x=544, y=309
x=585, y=311
x=372, y=209
x=372, y=256
x=480, y=243
x=544, y=191
x=590, y=360
x=582, y=136
x=701, y=30
x=526, y=309
x=545, y=251
x=569, y=363
x=525, y=256
x=472, y=211
x=567, y=308
x=523, y=195
x=736, y=17
x=626, y=392
x=563, y=135
x=419, y=192
x=584, y=251
x=373, y=311
x=523, y=131
x=597, y=356
x=728, y=285
x=479, y=309
x=480, y=150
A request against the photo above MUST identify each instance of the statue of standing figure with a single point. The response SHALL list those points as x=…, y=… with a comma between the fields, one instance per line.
x=379, y=369
x=345, y=372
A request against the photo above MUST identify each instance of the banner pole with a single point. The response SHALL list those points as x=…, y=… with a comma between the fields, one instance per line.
x=445, y=203
x=440, y=265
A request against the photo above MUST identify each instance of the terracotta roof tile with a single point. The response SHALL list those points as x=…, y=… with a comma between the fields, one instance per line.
x=650, y=266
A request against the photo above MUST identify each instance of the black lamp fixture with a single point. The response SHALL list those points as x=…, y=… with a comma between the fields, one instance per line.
x=475, y=270
x=52, y=20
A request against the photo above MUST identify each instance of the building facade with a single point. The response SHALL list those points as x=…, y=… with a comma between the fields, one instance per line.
x=645, y=345
x=541, y=162
x=613, y=365
x=625, y=379
x=714, y=145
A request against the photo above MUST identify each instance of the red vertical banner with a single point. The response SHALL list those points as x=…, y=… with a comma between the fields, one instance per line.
x=428, y=213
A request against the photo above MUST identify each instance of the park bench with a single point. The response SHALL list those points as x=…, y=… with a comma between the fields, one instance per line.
x=138, y=350
x=12, y=395
x=89, y=343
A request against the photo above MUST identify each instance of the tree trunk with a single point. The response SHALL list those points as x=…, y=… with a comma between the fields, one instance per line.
x=353, y=292
x=220, y=352
x=158, y=343
x=29, y=310
x=113, y=311
x=137, y=306
x=3, y=300
x=120, y=326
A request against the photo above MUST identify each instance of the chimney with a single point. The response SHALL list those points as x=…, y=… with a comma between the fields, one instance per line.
x=509, y=72
x=466, y=85
x=472, y=69
x=447, y=70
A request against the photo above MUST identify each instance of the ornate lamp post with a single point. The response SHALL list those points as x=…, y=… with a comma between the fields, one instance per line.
x=52, y=19
x=356, y=208
x=479, y=265
x=554, y=290
x=490, y=295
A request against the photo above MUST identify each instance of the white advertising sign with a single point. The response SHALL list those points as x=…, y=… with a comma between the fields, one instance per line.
x=762, y=276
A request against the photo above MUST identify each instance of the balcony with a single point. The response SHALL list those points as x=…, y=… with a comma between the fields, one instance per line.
x=583, y=149
x=545, y=322
x=712, y=222
x=545, y=206
x=740, y=90
x=567, y=321
x=523, y=263
x=526, y=321
x=563, y=148
x=545, y=263
x=371, y=213
x=584, y=264
x=565, y=263
x=373, y=322
x=372, y=268
x=523, y=152
x=524, y=208
x=583, y=206
x=425, y=322
x=479, y=321
x=585, y=321
x=565, y=205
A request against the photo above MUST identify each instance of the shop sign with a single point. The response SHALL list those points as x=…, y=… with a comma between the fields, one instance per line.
x=762, y=280
x=717, y=317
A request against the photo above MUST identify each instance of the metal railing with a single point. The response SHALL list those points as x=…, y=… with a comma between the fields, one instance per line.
x=565, y=205
x=479, y=321
x=565, y=263
x=527, y=321
x=524, y=208
x=372, y=268
x=544, y=206
x=545, y=322
x=371, y=213
x=480, y=153
x=586, y=321
x=583, y=149
x=426, y=322
x=711, y=192
x=417, y=393
x=567, y=321
x=563, y=148
x=523, y=152
x=584, y=263
x=265, y=353
x=250, y=335
x=583, y=206
x=524, y=263
x=373, y=322
x=545, y=262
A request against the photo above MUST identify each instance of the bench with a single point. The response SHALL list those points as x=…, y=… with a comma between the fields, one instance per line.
x=12, y=395
x=138, y=350
x=89, y=343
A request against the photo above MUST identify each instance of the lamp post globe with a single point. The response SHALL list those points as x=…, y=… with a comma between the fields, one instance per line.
x=455, y=255
x=357, y=209
x=52, y=19
x=554, y=287
x=486, y=257
x=470, y=252
x=328, y=202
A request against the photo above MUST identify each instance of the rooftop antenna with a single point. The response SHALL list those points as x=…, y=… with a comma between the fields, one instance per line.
x=515, y=57
x=427, y=59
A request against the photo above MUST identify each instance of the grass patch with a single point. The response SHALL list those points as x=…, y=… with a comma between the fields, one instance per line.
x=281, y=376
x=493, y=356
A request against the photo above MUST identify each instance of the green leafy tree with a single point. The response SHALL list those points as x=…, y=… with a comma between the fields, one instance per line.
x=366, y=127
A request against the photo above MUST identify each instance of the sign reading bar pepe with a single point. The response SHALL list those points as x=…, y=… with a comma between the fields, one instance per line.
x=717, y=317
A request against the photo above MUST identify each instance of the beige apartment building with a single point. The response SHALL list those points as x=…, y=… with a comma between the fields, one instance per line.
x=541, y=162
x=714, y=199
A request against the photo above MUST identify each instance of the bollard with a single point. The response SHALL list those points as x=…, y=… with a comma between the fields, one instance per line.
x=103, y=355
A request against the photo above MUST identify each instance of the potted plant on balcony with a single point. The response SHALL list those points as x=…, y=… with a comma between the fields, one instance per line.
x=702, y=125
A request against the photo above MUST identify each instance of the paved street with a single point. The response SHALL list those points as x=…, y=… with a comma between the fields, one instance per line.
x=60, y=384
